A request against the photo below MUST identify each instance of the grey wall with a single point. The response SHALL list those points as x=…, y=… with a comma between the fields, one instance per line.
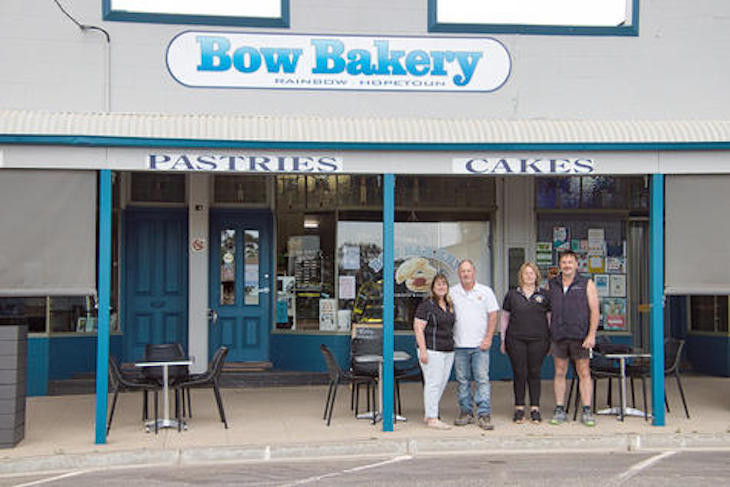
x=676, y=69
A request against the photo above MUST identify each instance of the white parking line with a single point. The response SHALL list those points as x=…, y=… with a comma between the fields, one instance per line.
x=349, y=470
x=642, y=465
x=53, y=479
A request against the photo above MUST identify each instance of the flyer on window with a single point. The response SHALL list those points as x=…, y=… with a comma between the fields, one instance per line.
x=614, y=310
x=560, y=238
x=617, y=285
x=595, y=263
x=601, y=281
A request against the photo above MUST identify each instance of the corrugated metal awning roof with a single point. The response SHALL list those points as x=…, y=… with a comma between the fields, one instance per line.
x=308, y=129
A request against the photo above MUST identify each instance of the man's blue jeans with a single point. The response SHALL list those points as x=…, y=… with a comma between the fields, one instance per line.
x=472, y=364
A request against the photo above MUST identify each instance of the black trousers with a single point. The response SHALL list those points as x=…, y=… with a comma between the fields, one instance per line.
x=526, y=356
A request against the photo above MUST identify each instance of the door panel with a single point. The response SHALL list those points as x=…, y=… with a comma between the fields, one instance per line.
x=155, y=279
x=240, y=283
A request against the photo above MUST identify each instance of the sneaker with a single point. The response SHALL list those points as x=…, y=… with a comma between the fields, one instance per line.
x=535, y=416
x=485, y=422
x=519, y=416
x=559, y=415
x=437, y=424
x=586, y=416
x=464, y=418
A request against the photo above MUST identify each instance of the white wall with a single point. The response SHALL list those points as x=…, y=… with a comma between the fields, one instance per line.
x=673, y=70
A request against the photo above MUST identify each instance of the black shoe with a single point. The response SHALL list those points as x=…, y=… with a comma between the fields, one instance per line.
x=519, y=416
x=535, y=416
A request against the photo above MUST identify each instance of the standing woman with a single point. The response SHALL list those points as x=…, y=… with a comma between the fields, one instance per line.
x=434, y=329
x=526, y=338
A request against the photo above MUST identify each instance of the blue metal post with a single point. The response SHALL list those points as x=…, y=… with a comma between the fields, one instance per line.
x=656, y=293
x=104, y=291
x=388, y=278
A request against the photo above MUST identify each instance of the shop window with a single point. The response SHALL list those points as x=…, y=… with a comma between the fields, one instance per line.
x=240, y=189
x=709, y=314
x=329, y=243
x=566, y=17
x=261, y=13
x=157, y=188
x=422, y=249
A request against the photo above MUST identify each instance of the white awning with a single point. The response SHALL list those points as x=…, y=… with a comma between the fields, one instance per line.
x=376, y=130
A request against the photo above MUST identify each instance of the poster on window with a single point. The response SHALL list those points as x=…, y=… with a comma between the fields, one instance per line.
x=614, y=311
x=602, y=283
x=560, y=238
x=327, y=314
x=617, y=285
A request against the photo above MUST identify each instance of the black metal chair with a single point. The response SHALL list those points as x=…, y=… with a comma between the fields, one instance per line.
x=672, y=356
x=123, y=383
x=339, y=376
x=601, y=368
x=209, y=378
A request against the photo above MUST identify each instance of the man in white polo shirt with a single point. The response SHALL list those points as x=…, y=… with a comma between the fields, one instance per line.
x=476, y=309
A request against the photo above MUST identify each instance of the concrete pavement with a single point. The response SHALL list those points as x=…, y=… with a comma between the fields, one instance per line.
x=285, y=423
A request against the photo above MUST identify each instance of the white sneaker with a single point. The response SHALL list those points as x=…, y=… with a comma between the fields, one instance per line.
x=436, y=423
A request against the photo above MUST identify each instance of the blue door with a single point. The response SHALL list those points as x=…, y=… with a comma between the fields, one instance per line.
x=155, y=277
x=240, y=283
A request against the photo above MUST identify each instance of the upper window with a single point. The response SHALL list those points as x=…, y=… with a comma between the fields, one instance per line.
x=567, y=17
x=261, y=13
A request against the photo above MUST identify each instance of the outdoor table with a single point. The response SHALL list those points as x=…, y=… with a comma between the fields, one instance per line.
x=623, y=411
x=398, y=356
x=165, y=422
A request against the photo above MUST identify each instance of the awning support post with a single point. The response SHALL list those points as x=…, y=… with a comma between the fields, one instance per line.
x=656, y=292
x=388, y=279
x=104, y=291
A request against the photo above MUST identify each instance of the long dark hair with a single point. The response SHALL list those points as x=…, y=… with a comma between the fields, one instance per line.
x=447, y=298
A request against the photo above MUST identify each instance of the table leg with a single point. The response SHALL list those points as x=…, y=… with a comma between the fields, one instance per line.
x=165, y=394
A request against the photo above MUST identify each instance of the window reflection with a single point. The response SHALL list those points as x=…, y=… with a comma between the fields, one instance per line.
x=251, y=273
x=228, y=266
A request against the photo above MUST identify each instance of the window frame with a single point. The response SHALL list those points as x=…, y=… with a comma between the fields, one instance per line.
x=110, y=14
x=468, y=28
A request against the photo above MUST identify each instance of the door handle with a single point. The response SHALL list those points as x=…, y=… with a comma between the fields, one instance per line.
x=264, y=290
x=212, y=316
x=157, y=304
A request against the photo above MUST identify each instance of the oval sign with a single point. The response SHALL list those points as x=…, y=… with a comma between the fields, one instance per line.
x=337, y=62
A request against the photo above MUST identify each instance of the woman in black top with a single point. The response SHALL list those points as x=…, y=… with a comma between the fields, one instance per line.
x=434, y=329
x=526, y=338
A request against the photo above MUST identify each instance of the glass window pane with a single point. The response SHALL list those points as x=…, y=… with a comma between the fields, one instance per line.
x=722, y=317
x=702, y=311
x=240, y=189
x=71, y=314
x=290, y=192
x=360, y=191
x=570, y=192
x=158, y=188
x=547, y=192
x=321, y=192
x=251, y=272
x=24, y=311
x=228, y=267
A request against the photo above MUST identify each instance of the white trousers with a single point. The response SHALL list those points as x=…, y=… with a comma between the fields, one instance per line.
x=435, y=377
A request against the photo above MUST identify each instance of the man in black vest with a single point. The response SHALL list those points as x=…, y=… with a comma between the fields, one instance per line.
x=573, y=325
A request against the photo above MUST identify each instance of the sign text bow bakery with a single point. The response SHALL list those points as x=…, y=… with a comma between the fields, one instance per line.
x=238, y=60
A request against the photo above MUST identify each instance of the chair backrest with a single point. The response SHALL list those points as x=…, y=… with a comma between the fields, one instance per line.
x=672, y=354
x=366, y=340
x=215, y=367
x=160, y=352
x=333, y=368
x=115, y=373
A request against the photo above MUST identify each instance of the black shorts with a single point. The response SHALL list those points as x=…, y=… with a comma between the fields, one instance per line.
x=570, y=348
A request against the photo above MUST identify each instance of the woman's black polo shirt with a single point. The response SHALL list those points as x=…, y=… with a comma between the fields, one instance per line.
x=527, y=317
x=439, y=330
